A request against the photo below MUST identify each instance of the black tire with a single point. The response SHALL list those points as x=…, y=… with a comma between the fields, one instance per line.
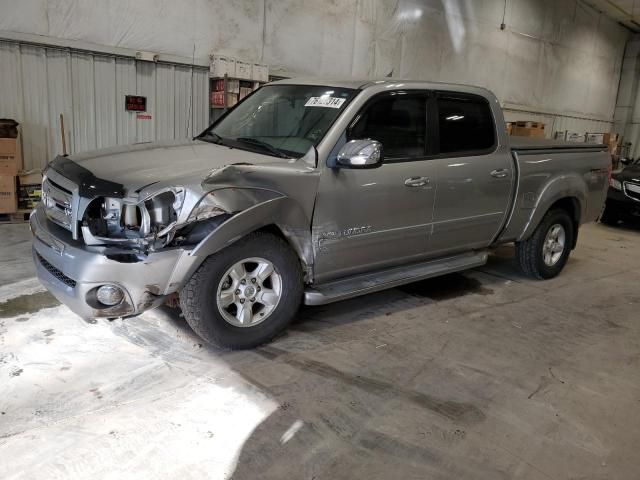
x=609, y=216
x=198, y=297
x=529, y=253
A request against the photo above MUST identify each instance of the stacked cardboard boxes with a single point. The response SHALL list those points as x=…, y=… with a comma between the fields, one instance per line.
x=528, y=129
x=10, y=163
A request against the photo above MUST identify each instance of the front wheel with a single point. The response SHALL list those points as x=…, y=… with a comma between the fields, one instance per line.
x=546, y=252
x=244, y=295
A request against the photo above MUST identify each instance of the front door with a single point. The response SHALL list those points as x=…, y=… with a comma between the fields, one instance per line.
x=368, y=219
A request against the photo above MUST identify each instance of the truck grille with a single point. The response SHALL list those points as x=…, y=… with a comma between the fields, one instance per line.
x=58, y=203
x=632, y=190
x=56, y=273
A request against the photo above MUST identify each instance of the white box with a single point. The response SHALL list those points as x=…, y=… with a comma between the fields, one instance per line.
x=219, y=66
x=575, y=137
x=243, y=70
x=597, y=138
x=259, y=72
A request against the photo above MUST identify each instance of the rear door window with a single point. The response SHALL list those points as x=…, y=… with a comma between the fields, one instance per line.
x=465, y=124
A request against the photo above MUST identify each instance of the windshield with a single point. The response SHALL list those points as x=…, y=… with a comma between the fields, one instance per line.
x=281, y=120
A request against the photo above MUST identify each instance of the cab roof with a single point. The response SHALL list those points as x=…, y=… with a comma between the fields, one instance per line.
x=362, y=83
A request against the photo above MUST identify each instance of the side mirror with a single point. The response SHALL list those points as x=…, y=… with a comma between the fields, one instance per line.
x=360, y=154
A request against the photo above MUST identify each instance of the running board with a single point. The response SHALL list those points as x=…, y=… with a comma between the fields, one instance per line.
x=373, y=282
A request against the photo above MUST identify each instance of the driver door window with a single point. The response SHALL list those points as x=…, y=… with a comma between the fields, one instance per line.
x=398, y=120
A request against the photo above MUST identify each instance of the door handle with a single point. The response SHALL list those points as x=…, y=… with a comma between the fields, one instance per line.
x=416, y=181
x=500, y=173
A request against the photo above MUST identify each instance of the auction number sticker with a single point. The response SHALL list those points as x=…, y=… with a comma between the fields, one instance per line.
x=325, y=101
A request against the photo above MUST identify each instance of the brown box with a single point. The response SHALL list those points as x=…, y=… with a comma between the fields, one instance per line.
x=8, y=198
x=8, y=165
x=527, y=132
x=8, y=146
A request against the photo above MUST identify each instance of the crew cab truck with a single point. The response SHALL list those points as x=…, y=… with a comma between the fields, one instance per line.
x=314, y=191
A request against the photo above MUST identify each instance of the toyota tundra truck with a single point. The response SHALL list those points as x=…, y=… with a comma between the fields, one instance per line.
x=309, y=191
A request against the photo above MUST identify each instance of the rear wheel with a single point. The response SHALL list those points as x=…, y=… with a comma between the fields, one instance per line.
x=244, y=295
x=546, y=252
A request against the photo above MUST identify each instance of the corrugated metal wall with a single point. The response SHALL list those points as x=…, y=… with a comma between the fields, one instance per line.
x=38, y=84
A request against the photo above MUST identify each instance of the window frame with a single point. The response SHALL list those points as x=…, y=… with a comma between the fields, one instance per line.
x=426, y=95
x=433, y=113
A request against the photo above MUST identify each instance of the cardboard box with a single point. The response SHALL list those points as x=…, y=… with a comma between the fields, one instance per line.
x=527, y=132
x=529, y=124
x=219, y=66
x=31, y=177
x=259, y=72
x=8, y=146
x=8, y=198
x=575, y=137
x=8, y=165
x=598, y=138
x=243, y=70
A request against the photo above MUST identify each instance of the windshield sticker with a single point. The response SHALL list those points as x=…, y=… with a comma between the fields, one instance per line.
x=325, y=101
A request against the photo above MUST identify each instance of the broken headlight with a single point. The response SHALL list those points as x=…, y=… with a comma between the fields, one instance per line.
x=147, y=222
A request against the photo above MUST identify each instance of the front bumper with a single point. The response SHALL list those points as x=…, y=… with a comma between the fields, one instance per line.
x=622, y=204
x=72, y=271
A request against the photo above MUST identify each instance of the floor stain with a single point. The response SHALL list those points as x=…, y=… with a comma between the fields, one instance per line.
x=453, y=410
x=27, y=304
x=96, y=393
x=446, y=287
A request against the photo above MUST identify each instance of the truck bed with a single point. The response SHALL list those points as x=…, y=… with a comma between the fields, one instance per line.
x=528, y=143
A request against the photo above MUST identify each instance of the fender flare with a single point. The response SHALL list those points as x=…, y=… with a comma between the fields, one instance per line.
x=563, y=186
x=281, y=211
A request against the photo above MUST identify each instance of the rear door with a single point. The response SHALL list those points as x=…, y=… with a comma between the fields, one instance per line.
x=475, y=176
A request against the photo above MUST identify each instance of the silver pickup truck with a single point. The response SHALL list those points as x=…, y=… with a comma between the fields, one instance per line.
x=309, y=191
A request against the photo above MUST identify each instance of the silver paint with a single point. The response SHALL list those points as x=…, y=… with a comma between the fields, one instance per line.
x=340, y=222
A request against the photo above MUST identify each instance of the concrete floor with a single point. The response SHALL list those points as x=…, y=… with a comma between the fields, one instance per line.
x=485, y=375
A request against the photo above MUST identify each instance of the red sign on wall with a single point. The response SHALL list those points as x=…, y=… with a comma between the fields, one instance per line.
x=135, y=103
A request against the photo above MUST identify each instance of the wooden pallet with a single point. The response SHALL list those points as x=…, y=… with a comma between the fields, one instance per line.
x=21, y=216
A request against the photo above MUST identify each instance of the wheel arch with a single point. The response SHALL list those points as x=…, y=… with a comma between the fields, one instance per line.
x=281, y=216
x=567, y=193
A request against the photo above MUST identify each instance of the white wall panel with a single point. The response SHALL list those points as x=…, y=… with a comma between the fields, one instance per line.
x=38, y=84
x=558, y=58
x=125, y=70
x=35, y=105
x=165, y=104
x=105, y=101
x=59, y=101
x=84, y=106
x=146, y=86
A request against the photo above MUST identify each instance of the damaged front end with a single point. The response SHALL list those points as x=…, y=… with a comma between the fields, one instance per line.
x=146, y=224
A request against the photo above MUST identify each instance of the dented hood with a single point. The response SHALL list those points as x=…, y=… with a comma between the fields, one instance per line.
x=135, y=166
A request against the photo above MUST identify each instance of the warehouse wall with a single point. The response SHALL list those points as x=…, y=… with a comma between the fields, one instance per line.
x=558, y=61
x=38, y=84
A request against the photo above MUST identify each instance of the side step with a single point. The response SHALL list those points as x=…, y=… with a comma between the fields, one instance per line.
x=373, y=282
